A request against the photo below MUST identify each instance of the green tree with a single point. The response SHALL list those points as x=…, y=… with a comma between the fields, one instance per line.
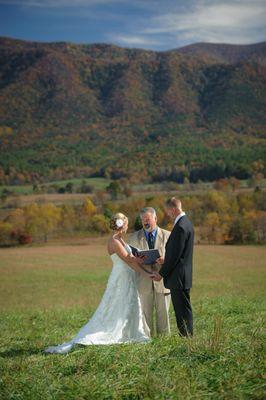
x=114, y=189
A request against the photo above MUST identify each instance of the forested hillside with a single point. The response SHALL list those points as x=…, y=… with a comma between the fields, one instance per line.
x=195, y=113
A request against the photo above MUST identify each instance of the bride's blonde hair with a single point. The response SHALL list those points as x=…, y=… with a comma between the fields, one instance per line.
x=118, y=221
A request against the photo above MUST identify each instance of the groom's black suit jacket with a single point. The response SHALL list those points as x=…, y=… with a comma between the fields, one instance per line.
x=177, y=267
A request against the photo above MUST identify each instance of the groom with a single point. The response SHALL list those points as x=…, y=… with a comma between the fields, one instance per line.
x=176, y=269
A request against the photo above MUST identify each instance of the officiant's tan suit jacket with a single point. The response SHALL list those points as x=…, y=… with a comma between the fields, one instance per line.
x=153, y=294
x=138, y=239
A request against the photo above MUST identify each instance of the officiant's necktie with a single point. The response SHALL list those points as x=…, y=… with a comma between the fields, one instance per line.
x=150, y=240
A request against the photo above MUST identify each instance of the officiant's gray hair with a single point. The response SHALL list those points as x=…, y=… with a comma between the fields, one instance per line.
x=146, y=210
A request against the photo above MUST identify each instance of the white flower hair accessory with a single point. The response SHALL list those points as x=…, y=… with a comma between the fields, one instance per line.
x=119, y=223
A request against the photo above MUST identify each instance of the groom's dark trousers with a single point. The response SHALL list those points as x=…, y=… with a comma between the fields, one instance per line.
x=177, y=273
x=183, y=311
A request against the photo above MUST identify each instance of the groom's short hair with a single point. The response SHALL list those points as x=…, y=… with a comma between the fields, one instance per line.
x=174, y=203
x=146, y=210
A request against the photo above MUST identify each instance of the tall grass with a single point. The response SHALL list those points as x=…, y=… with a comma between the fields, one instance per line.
x=48, y=292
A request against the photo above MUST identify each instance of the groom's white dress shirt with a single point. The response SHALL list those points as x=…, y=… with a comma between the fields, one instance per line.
x=179, y=216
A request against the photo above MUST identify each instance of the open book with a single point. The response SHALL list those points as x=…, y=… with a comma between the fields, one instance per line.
x=150, y=255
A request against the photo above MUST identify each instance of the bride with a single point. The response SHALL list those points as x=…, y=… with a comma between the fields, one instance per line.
x=118, y=318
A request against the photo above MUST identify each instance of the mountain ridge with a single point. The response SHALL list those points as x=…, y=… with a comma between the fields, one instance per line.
x=101, y=93
x=182, y=48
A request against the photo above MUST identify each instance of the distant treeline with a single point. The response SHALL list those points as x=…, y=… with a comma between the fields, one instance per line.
x=146, y=165
x=218, y=217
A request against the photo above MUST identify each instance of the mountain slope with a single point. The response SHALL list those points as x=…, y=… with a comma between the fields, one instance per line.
x=227, y=53
x=60, y=102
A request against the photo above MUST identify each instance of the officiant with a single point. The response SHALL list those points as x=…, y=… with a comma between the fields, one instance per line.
x=153, y=295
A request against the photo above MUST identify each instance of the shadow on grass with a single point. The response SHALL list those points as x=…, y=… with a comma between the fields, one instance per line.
x=20, y=352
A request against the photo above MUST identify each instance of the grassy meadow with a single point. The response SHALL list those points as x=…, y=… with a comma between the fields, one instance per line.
x=27, y=189
x=48, y=292
x=24, y=194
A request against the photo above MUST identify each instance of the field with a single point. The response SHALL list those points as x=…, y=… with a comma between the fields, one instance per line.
x=27, y=195
x=96, y=183
x=48, y=292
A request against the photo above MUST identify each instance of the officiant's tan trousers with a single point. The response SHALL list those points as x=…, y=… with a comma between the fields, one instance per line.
x=162, y=304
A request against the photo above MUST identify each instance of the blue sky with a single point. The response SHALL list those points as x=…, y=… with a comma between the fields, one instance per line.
x=148, y=24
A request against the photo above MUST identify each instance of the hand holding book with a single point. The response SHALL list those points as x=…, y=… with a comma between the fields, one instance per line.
x=149, y=256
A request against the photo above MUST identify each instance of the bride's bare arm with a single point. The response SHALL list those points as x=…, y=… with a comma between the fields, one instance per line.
x=131, y=261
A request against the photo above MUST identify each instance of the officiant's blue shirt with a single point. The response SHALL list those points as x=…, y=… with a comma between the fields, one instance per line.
x=154, y=234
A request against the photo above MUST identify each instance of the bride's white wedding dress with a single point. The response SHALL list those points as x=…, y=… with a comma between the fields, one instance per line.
x=118, y=318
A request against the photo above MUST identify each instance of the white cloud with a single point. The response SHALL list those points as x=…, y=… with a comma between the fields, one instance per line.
x=217, y=21
x=163, y=24
x=238, y=22
x=129, y=40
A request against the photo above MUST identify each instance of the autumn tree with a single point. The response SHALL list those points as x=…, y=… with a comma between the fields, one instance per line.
x=100, y=224
x=87, y=211
x=212, y=227
x=17, y=219
x=221, y=184
x=5, y=233
x=68, y=219
x=41, y=220
x=234, y=183
x=50, y=216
